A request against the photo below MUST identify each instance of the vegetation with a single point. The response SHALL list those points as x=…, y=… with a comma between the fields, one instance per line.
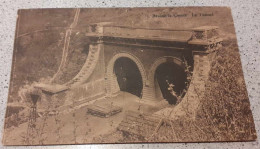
x=224, y=113
x=225, y=110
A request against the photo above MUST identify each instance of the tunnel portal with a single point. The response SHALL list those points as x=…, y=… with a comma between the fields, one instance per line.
x=128, y=76
x=168, y=74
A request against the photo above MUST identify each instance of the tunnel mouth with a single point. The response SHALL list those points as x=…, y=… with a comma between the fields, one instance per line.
x=170, y=80
x=128, y=76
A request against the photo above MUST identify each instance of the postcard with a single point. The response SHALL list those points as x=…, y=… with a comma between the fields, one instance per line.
x=126, y=75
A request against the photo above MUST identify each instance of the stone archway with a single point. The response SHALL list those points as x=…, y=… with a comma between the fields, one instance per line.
x=160, y=61
x=150, y=85
x=112, y=86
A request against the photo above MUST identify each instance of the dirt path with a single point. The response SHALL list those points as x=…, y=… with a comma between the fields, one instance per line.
x=66, y=44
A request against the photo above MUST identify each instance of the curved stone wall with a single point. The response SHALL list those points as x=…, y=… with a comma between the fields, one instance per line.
x=189, y=104
x=112, y=86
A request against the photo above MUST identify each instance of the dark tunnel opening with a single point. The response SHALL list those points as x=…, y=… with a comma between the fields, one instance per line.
x=168, y=74
x=128, y=76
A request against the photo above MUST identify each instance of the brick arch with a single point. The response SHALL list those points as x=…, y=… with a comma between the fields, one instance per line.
x=111, y=85
x=160, y=61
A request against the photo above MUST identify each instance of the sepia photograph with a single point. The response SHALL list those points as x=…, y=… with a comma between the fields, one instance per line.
x=126, y=75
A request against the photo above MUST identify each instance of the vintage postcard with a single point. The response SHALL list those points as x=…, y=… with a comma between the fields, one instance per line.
x=126, y=75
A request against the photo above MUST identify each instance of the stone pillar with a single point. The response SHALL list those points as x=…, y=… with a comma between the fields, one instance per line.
x=158, y=92
x=114, y=85
x=148, y=93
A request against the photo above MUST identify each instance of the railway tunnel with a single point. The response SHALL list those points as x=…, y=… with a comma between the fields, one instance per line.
x=128, y=76
x=166, y=75
x=143, y=62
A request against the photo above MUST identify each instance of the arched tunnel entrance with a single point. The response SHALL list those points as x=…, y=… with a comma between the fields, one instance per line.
x=170, y=77
x=128, y=76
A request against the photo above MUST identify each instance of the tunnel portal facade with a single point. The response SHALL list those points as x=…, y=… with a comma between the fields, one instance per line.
x=152, y=64
x=139, y=60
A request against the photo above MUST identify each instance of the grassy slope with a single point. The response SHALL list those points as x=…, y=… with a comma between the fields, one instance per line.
x=226, y=108
x=38, y=54
x=224, y=113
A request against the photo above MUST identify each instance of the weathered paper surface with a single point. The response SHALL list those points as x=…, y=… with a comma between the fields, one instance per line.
x=123, y=75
